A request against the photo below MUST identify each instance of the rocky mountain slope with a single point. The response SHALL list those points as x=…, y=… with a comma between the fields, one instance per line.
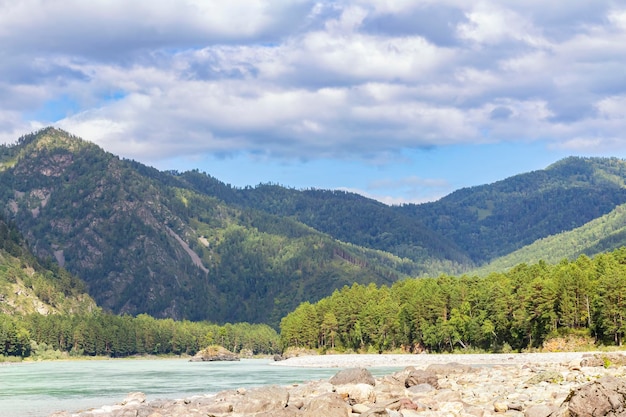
x=186, y=245
x=30, y=286
x=146, y=241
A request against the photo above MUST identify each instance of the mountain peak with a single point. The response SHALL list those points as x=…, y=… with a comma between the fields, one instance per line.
x=52, y=138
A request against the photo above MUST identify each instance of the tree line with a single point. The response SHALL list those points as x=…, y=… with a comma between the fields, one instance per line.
x=518, y=309
x=105, y=334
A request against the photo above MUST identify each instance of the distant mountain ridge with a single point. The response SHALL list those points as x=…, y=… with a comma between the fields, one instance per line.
x=490, y=221
x=186, y=245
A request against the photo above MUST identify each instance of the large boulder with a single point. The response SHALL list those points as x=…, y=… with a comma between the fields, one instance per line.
x=214, y=353
x=353, y=376
x=258, y=400
x=603, y=397
x=419, y=376
x=326, y=405
x=356, y=393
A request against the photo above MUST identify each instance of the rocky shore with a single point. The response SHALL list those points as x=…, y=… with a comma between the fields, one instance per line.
x=531, y=385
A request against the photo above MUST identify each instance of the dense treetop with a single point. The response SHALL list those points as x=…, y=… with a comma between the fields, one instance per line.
x=518, y=309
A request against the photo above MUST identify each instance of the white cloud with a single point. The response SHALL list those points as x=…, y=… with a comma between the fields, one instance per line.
x=309, y=79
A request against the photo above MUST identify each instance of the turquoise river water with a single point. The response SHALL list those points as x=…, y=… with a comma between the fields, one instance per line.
x=39, y=389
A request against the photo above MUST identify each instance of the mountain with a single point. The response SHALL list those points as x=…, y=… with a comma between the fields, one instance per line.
x=490, y=221
x=147, y=241
x=186, y=245
x=30, y=286
x=598, y=236
x=348, y=217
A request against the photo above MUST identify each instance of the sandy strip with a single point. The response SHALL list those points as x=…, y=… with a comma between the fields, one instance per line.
x=422, y=360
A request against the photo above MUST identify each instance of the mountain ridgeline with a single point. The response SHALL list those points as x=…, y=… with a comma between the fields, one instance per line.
x=186, y=245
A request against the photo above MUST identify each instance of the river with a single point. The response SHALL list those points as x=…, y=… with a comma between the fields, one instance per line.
x=41, y=388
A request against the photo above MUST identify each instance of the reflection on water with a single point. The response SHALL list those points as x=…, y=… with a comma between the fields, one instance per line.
x=39, y=389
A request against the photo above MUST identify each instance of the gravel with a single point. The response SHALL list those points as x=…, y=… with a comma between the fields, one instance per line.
x=421, y=360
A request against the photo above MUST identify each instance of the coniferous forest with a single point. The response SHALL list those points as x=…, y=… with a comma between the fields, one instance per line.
x=519, y=309
x=105, y=256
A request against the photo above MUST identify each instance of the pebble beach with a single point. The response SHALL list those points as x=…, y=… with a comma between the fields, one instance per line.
x=421, y=360
x=467, y=385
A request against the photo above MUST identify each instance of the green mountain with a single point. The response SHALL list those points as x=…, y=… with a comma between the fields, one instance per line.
x=30, y=286
x=345, y=216
x=147, y=241
x=186, y=245
x=598, y=236
x=490, y=221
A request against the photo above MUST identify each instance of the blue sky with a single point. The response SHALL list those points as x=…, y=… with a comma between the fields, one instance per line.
x=402, y=101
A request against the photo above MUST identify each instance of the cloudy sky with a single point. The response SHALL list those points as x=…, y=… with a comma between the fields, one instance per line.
x=400, y=100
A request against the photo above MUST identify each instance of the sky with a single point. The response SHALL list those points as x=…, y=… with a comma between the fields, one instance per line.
x=402, y=101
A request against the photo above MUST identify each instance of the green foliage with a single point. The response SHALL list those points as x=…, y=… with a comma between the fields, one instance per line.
x=490, y=221
x=186, y=246
x=158, y=243
x=599, y=235
x=99, y=334
x=515, y=310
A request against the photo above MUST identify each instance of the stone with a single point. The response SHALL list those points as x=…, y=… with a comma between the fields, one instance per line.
x=353, y=376
x=500, y=406
x=454, y=408
x=539, y=410
x=261, y=399
x=603, y=397
x=326, y=405
x=449, y=368
x=551, y=376
x=418, y=376
x=421, y=388
x=360, y=408
x=285, y=412
x=357, y=393
x=219, y=408
x=591, y=361
x=214, y=353
x=134, y=398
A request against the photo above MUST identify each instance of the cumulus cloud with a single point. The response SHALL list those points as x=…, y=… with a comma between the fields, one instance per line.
x=306, y=80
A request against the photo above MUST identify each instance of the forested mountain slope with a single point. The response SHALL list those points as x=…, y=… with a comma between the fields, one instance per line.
x=28, y=286
x=598, y=236
x=493, y=220
x=186, y=245
x=346, y=216
x=145, y=241
x=466, y=228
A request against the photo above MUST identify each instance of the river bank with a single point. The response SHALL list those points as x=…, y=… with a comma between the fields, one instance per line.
x=515, y=385
x=403, y=360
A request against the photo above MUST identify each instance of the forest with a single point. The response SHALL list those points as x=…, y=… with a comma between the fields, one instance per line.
x=517, y=310
x=510, y=311
x=101, y=334
x=86, y=230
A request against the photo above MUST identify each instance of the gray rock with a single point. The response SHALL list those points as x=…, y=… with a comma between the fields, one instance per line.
x=259, y=400
x=539, y=410
x=603, y=397
x=449, y=368
x=326, y=405
x=356, y=393
x=421, y=388
x=419, y=376
x=353, y=376
x=552, y=377
x=213, y=354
